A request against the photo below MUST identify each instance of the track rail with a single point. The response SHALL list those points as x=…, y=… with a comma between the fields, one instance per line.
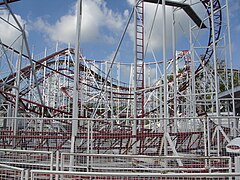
x=217, y=29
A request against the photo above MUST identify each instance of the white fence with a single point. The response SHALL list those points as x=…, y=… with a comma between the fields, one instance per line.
x=143, y=163
x=63, y=175
x=25, y=164
x=10, y=172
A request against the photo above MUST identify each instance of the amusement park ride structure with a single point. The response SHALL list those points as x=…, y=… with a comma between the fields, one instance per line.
x=63, y=102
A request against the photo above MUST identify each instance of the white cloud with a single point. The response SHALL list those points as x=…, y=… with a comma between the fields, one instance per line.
x=11, y=36
x=99, y=23
x=8, y=34
x=157, y=33
x=131, y=2
x=102, y=24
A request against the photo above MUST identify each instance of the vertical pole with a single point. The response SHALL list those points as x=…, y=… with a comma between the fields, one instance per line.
x=192, y=90
x=160, y=103
x=164, y=64
x=174, y=69
x=26, y=174
x=215, y=62
x=51, y=165
x=118, y=79
x=230, y=55
x=106, y=106
x=112, y=104
x=218, y=143
x=81, y=92
x=19, y=62
x=44, y=91
x=208, y=134
x=231, y=66
x=226, y=75
x=165, y=74
x=157, y=99
x=129, y=104
x=205, y=138
x=237, y=165
x=76, y=80
x=134, y=128
x=88, y=142
x=57, y=164
x=225, y=60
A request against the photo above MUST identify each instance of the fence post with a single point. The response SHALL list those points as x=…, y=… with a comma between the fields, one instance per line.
x=237, y=166
x=26, y=174
x=57, y=163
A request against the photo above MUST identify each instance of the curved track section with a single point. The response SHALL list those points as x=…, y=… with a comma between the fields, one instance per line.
x=217, y=29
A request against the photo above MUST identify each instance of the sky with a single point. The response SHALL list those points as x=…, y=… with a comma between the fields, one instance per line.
x=51, y=22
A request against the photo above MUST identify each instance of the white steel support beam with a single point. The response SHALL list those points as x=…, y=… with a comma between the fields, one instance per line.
x=231, y=66
x=215, y=62
x=17, y=84
x=192, y=89
x=111, y=97
x=76, y=79
x=174, y=66
x=164, y=64
x=134, y=128
x=165, y=83
x=118, y=89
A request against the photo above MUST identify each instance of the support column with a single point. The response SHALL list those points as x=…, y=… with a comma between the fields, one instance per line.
x=165, y=75
x=134, y=127
x=76, y=81
x=215, y=63
x=17, y=84
x=174, y=72
x=235, y=122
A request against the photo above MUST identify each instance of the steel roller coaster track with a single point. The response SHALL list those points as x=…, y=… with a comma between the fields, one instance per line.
x=9, y=80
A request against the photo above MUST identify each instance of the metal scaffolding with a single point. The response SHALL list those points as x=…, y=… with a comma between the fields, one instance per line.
x=66, y=104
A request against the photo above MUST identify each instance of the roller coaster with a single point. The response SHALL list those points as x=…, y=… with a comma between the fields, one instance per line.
x=121, y=113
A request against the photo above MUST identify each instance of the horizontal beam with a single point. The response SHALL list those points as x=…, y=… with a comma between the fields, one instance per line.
x=186, y=7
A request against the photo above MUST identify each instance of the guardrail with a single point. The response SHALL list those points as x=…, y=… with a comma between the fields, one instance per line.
x=10, y=172
x=44, y=165
x=27, y=159
x=38, y=174
x=143, y=163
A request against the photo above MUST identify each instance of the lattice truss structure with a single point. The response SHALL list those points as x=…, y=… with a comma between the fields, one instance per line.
x=120, y=115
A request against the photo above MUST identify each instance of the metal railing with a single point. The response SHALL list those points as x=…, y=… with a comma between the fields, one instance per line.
x=10, y=172
x=28, y=159
x=144, y=163
x=38, y=174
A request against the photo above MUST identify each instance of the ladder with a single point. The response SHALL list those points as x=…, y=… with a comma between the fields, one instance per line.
x=139, y=33
x=139, y=28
